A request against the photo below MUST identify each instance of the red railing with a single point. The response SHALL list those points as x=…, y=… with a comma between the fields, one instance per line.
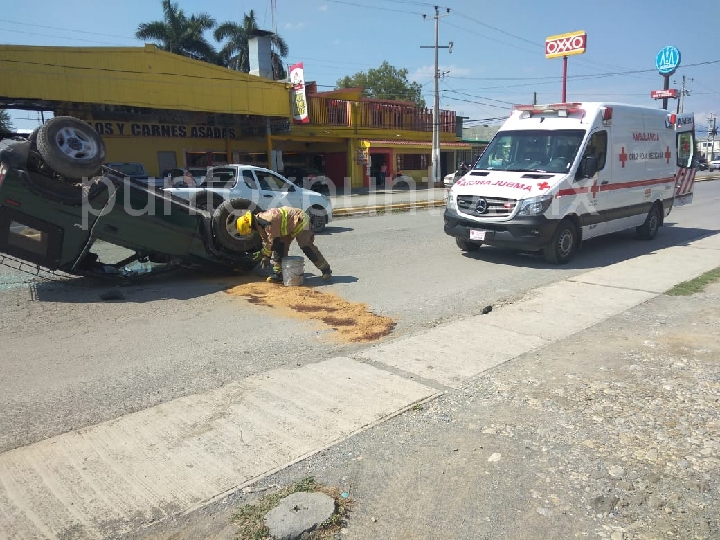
x=339, y=112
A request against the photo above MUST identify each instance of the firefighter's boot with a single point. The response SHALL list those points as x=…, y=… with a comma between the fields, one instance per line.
x=276, y=276
x=313, y=253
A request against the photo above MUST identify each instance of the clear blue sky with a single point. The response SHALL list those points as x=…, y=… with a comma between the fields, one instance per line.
x=498, y=57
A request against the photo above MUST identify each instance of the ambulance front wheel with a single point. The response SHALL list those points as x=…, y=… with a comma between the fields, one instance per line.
x=564, y=243
x=649, y=229
x=466, y=245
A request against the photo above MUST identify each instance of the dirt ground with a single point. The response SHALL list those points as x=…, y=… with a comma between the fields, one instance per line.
x=611, y=434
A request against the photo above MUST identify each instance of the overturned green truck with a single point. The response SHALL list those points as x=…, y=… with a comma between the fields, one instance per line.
x=57, y=200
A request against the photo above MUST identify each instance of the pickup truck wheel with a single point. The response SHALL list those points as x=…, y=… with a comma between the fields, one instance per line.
x=70, y=147
x=466, y=245
x=207, y=201
x=223, y=224
x=318, y=219
x=564, y=243
x=649, y=229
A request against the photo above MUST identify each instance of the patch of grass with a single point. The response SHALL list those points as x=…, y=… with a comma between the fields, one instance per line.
x=687, y=288
x=250, y=519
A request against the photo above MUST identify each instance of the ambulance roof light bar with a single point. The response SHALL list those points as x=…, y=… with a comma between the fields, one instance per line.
x=563, y=109
x=607, y=115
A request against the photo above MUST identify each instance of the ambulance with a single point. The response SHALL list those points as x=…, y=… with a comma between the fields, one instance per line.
x=555, y=175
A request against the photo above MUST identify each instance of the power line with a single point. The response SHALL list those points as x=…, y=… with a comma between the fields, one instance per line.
x=367, y=6
x=103, y=34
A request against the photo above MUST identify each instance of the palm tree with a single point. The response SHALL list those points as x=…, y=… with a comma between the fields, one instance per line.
x=6, y=125
x=180, y=34
x=235, y=54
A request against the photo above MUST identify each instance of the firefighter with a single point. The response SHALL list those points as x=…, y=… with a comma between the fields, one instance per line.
x=277, y=228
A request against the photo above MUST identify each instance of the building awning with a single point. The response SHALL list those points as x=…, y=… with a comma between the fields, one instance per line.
x=419, y=145
x=45, y=78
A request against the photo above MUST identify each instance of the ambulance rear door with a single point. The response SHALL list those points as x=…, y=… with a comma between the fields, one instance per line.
x=685, y=142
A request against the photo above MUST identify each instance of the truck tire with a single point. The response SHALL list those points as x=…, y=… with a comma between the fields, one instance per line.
x=649, y=229
x=318, y=219
x=223, y=225
x=467, y=245
x=207, y=201
x=70, y=147
x=564, y=243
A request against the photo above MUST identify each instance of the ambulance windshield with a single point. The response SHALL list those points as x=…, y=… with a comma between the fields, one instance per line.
x=532, y=151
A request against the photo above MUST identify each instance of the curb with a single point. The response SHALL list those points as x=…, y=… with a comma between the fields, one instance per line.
x=359, y=210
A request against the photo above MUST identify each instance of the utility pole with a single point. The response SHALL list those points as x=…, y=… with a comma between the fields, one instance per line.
x=712, y=130
x=681, y=98
x=436, y=106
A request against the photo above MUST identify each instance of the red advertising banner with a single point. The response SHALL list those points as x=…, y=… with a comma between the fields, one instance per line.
x=565, y=44
x=299, y=102
x=662, y=94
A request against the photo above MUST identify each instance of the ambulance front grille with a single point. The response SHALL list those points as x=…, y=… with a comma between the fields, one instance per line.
x=492, y=206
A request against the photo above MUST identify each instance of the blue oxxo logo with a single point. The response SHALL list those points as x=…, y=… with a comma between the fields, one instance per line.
x=667, y=60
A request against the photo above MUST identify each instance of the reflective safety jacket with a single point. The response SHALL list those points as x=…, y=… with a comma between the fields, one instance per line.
x=282, y=222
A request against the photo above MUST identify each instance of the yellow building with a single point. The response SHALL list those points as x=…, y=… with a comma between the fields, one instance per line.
x=168, y=111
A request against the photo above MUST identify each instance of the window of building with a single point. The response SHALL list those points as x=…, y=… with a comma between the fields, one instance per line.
x=412, y=162
x=205, y=159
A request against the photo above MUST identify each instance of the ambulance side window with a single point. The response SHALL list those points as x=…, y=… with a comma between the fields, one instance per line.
x=685, y=147
x=597, y=146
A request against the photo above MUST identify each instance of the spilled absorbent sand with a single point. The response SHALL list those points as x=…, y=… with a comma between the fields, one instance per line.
x=351, y=321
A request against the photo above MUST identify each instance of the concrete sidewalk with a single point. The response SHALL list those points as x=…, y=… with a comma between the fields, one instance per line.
x=122, y=476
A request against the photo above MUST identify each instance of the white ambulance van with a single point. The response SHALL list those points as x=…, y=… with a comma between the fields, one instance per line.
x=555, y=175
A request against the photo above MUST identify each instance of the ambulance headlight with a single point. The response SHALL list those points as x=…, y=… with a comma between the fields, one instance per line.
x=535, y=206
x=450, y=204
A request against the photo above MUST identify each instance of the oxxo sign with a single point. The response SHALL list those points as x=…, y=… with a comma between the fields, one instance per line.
x=565, y=44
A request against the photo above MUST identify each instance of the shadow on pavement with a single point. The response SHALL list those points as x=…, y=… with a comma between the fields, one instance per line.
x=597, y=252
x=334, y=230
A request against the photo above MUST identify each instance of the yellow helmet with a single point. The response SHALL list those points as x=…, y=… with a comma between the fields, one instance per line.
x=244, y=224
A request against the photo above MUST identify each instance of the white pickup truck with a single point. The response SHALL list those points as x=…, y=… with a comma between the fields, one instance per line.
x=263, y=187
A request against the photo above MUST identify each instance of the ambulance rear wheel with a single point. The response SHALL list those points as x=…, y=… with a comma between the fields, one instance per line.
x=649, y=229
x=564, y=243
x=466, y=245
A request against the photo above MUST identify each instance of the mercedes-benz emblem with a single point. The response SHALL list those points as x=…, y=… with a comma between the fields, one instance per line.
x=482, y=206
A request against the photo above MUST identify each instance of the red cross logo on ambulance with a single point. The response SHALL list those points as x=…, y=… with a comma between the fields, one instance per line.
x=623, y=157
x=668, y=155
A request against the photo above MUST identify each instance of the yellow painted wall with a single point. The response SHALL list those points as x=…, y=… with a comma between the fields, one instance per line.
x=138, y=77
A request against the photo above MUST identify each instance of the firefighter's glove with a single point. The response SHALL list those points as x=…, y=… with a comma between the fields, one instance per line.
x=265, y=263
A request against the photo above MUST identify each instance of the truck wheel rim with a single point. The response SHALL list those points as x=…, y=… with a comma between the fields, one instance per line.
x=565, y=243
x=75, y=144
x=653, y=222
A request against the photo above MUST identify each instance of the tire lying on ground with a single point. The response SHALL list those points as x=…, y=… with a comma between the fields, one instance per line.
x=223, y=224
x=70, y=147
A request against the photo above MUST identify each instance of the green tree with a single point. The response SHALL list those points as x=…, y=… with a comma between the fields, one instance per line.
x=235, y=53
x=385, y=82
x=177, y=33
x=6, y=125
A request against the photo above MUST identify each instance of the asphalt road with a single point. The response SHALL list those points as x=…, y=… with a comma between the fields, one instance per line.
x=71, y=360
